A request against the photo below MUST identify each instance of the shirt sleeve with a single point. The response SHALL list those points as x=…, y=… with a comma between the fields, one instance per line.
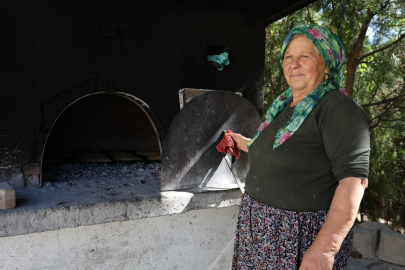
x=346, y=137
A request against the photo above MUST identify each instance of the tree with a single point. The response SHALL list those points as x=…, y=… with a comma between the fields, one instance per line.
x=359, y=16
x=373, y=35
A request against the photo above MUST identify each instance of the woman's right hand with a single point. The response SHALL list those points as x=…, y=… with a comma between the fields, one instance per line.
x=240, y=141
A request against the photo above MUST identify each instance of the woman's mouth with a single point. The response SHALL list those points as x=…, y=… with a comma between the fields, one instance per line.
x=295, y=75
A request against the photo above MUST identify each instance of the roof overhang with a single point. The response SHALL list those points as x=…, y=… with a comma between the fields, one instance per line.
x=269, y=10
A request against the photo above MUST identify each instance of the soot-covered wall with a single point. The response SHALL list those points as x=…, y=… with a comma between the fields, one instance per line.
x=149, y=49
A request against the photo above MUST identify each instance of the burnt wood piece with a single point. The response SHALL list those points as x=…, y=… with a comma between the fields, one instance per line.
x=189, y=157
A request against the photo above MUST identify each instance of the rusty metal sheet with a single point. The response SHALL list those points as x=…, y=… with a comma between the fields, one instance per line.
x=190, y=159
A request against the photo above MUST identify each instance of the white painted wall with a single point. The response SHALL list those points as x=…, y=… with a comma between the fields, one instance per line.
x=197, y=239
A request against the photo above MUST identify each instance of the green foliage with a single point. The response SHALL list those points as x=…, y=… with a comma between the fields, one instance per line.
x=378, y=85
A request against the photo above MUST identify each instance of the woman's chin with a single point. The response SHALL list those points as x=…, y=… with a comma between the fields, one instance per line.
x=299, y=88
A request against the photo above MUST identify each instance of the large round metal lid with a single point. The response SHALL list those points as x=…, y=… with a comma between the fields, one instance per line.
x=190, y=159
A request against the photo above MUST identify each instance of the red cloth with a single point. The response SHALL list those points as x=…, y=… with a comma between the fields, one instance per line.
x=227, y=145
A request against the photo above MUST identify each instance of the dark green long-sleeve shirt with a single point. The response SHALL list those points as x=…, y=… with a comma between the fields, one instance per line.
x=302, y=174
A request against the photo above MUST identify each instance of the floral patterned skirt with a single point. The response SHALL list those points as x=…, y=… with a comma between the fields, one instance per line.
x=270, y=238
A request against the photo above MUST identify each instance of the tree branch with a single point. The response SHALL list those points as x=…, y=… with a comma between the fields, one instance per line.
x=384, y=101
x=393, y=120
x=386, y=108
x=382, y=48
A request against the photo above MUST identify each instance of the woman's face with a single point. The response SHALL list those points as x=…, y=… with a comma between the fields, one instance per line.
x=303, y=68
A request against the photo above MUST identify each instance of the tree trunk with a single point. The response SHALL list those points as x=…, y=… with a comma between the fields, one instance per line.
x=351, y=72
x=353, y=59
x=354, y=56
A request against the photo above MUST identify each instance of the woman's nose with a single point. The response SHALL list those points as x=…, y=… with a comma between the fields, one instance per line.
x=295, y=62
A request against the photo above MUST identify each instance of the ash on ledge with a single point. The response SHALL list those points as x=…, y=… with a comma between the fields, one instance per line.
x=69, y=184
x=90, y=176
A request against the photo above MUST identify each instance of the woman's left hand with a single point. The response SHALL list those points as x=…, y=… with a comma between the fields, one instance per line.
x=316, y=260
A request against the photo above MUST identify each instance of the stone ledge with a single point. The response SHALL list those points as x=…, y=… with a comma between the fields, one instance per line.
x=365, y=241
x=392, y=247
x=377, y=240
x=26, y=220
x=367, y=236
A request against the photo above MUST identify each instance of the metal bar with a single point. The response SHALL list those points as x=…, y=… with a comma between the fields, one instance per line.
x=228, y=159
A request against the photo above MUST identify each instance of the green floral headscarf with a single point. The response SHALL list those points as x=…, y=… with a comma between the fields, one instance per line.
x=332, y=51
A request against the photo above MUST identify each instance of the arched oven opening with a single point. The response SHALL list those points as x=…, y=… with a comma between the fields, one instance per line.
x=102, y=141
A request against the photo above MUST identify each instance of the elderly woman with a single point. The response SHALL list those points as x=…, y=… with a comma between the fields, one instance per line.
x=308, y=164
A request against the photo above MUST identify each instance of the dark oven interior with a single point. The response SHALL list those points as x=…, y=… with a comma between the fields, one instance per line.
x=104, y=125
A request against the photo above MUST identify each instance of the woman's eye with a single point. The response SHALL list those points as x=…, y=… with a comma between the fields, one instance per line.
x=287, y=56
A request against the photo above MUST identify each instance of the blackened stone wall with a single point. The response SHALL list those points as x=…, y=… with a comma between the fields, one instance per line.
x=150, y=49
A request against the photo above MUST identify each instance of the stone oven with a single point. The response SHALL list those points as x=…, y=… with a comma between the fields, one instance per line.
x=105, y=76
x=102, y=127
x=61, y=55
